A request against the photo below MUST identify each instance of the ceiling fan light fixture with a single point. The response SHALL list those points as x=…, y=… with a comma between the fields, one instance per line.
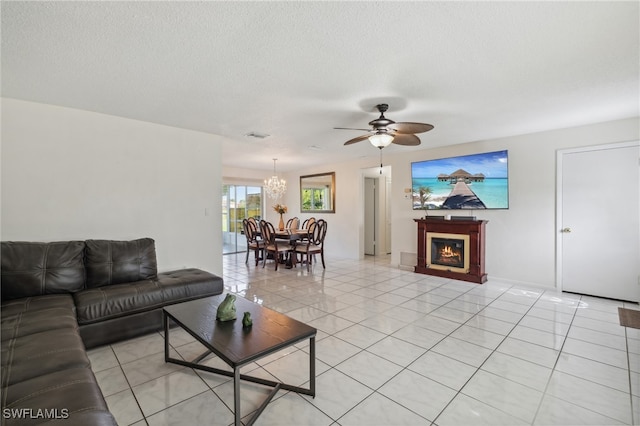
x=381, y=139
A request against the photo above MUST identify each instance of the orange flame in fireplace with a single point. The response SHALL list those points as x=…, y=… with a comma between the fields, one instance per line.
x=447, y=251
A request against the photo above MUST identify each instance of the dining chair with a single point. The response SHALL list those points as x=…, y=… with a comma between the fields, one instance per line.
x=292, y=223
x=278, y=249
x=313, y=244
x=307, y=222
x=253, y=222
x=306, y=225
x=253, y=242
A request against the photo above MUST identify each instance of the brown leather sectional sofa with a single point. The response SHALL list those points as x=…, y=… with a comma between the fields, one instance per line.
x=60, y=298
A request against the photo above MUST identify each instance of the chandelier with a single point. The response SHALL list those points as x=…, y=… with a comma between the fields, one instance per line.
x=273, y=186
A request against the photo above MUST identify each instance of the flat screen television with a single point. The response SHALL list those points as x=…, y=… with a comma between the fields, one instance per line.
x=474, y=182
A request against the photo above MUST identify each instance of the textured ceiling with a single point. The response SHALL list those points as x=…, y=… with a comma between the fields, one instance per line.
x=295, y=70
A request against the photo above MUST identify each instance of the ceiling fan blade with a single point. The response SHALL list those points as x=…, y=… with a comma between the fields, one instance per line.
x=410, y=127
x=405, y=139
x=358, y=139
x=351, y=128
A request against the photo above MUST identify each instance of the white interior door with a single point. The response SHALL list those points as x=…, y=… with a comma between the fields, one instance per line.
x=387, y=228
x=599, y=221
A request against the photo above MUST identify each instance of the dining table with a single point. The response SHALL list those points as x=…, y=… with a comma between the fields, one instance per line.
x=293, y=236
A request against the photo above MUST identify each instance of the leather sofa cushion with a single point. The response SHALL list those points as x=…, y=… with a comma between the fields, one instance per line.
x=45, y=366
x=33, y=269
x=103, y=303
x=31, y=315
x=114, y=262
x=26, y=357
x=31, y=305
x=73, y=390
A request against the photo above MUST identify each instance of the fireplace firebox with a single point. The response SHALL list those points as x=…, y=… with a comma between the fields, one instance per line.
x=447, y=252
x=451, y=249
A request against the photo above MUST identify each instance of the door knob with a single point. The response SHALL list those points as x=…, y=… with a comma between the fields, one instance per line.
x=565, y=230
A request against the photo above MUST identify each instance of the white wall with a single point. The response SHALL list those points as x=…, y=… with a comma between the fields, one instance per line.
x=72, y=174
x=345, y=233
x=520, y=244
x=520, y=241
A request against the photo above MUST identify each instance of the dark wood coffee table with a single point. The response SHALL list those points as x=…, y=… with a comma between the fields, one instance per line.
x=238, y=346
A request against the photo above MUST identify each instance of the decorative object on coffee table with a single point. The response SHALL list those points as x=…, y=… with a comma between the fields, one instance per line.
x=246, y=319
x=227, y=309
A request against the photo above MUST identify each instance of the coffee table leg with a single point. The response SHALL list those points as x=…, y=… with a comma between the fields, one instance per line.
x=236, y=396
x=312, y=366
x=166, y=336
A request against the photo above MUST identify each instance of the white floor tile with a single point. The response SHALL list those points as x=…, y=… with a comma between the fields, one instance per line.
x=418, y=336
x=130, y=350
x=503, y=394
x=337, y=393
x=293, y=368
x=165, y=391
x=443, y=369
x=538, y=337
x=510, y=306
x=614, y=341
x=595, y=352
x=380, y=410
x=479, y=337
x=437, y=324
x=418, y=393
x=548, y=312
x=394, y=347
x=330, y=324
x=554, y=411
x=529, y=352
x=585, y=368
x=369, y=369
x=501, y=314
x=483, y=322
x=601, y=399
x=465, y=410
x=124, y=407
x=150, y=367
x=518, y=370
x=102, y=358
x=397, y=351
x=451, y=314
x=112, y=380
x=360, y=336
x=462, y=351
x=203, y=409
x=545, y=325
x=332, y=351
x=292, y=409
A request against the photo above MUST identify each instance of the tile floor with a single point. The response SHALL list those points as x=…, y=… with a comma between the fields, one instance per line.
x=397, y=348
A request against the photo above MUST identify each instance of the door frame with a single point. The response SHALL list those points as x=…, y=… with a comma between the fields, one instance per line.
x=384, y=199
x=559, y=196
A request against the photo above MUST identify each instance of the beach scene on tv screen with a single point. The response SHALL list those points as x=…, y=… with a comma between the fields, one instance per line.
x=477, y=181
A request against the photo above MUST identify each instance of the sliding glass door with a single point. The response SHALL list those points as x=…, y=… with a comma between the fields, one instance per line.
x=238, y=202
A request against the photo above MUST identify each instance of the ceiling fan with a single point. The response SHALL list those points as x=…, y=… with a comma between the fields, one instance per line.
x=385, y=132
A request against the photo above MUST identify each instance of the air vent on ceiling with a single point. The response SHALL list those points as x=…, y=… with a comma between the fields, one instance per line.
x=257, y=135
